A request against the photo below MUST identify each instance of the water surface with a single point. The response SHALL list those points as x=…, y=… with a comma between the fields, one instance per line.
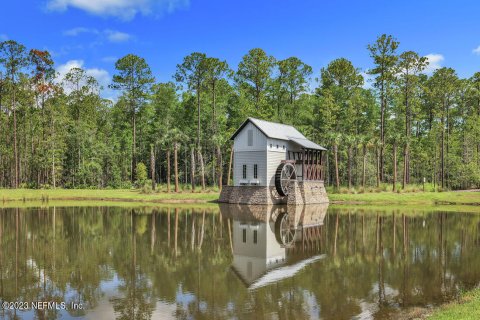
x=235, y=261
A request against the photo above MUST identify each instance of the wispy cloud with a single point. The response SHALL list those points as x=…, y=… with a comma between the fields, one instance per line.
x=117, y=36
x=435, y=61
x=3, y=37
x=123, y=9
x=79, y=30
x=476, y=50
x=108, y=34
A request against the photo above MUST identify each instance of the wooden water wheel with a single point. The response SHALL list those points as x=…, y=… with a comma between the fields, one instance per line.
x=284, y=176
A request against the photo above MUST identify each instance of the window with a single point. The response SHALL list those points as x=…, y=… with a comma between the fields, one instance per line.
x=255, y=236
x=277, y=146
x=244, y=171
x=283, y=147
x=244, y=235
x=255, y=171
x=271, y=145
x=250, y=138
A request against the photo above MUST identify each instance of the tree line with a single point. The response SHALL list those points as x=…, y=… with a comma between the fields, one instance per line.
x=407, y=127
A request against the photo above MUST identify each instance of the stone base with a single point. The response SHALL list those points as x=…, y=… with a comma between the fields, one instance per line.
x=307, y=192
x=251, y=195
x=300, y=192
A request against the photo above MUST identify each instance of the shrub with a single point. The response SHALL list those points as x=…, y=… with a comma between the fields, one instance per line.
x=146, y=188
x=141, y=172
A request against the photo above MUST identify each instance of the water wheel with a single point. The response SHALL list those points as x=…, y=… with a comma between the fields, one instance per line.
x=284, y=176
x=285, y=231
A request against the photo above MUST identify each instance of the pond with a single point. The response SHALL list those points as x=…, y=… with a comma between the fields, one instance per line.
x=233, y=261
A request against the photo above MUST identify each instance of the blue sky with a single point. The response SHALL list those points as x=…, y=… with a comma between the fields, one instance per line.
x=94, y=33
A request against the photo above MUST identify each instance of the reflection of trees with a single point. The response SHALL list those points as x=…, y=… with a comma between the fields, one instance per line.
x=182, y=258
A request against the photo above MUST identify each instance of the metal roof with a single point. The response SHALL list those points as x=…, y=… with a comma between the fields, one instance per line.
x=307, y=144
x=279, y=131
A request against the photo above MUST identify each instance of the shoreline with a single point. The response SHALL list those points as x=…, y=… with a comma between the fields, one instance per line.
x=446, y=199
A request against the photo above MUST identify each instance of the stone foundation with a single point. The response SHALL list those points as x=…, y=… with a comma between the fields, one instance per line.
x=251, y=195
x=307, y=192
x=300, y=192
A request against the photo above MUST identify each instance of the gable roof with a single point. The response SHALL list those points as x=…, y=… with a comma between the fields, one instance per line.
x=279, y=131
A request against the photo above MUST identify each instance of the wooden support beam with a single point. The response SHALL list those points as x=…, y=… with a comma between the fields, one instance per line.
x=303, y=164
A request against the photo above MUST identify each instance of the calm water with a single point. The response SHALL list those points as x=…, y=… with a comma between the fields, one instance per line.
x=234, y=262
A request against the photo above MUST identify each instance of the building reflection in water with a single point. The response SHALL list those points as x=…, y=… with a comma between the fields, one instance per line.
x=266, y=238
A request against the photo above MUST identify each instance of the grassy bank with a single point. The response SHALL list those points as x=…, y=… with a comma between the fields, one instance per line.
x=210, y=195
x=419, y=198
x=109, y=195
x=466, y=307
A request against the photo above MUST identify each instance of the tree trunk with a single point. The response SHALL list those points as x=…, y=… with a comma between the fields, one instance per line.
x=378, y=166
x=134, y=155
x=219, y=168
x=442, y=155
x=364, y=166
x=202, y=168
x=382, y=129
x=230, y=167
x=337, y=178
x=405, y=166
x=394, y=166
x=192, y=168
x=175, y=164
x=349, y=163
x=15, y=147
x=168, y=170
x=152, y=167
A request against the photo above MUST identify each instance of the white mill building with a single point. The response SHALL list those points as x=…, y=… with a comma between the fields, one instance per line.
x=274, y=163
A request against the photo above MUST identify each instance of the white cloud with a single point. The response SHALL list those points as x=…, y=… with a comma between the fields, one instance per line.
x=110, y=35
x=117, y=36
x=102, y=76
x=435, y=61
x=123, y=9
x=476, y=50
x=367, y=80
x=79, y=30
x=3, y=37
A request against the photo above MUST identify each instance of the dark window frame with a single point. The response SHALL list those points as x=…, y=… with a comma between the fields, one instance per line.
x=255, y=171
x=250, y=137
x=244, y=171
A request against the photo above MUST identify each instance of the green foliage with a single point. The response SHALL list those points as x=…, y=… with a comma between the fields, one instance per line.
x=64, y=134
x=141, y=174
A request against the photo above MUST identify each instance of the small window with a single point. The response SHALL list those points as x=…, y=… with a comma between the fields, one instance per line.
x=271, y=145
x=244, y=235
x=283, y=147
x=277, y=146
x=255, y=236
x=250, y=138
x=244, y=171
x=255, y=171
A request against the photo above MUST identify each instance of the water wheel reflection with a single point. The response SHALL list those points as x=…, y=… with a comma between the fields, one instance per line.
x=285, y=230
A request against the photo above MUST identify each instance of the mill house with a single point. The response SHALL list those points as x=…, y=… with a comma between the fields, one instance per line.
x=274, y=163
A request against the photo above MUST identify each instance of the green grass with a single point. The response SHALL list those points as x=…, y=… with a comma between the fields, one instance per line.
x=467, y=307
x=423, y=198
x=117, y=195
x=210, y=195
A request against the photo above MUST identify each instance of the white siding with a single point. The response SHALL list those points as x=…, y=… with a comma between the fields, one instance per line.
x=241, y=140
x=250, y=158
x=273, y=159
